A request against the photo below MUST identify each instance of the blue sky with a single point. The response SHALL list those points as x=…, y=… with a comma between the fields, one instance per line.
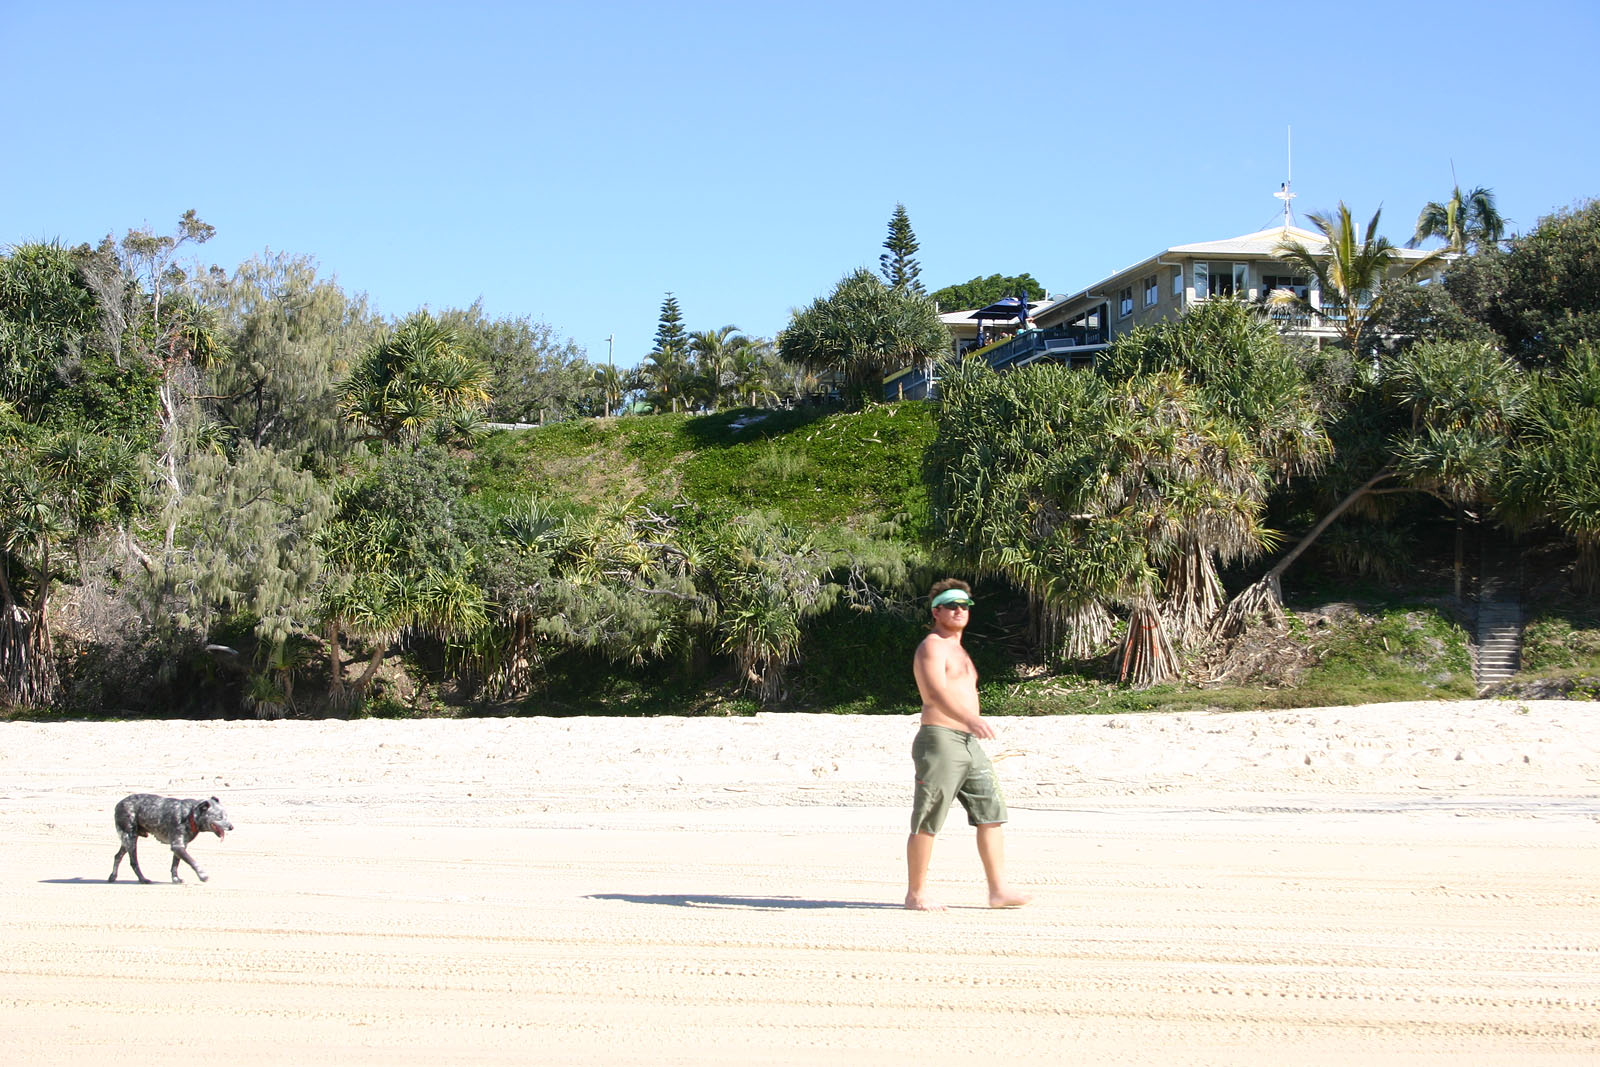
x=576, y=162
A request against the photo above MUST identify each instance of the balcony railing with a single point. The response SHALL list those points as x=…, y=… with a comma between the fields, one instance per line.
x=1073, y=345
x=1055, y=343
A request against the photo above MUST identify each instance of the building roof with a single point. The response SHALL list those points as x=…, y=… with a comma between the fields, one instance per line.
x=1261, y=244
x=1265, y=243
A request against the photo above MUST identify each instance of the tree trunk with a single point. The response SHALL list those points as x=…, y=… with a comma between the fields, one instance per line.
x=1264, y=599
x=335, y=662
x=1146, y=656
x=1074, y=633
x=1194, y=593
x=374, y=661
x=27, y=666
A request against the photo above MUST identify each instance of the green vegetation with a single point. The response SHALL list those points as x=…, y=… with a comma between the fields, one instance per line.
x=247, y=495
x=805, y=466
x=1561, y=649
x=862, y=331
x=981, y=292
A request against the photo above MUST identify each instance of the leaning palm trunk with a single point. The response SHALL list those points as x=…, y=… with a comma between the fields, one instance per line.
x=1146, y=656
x=1264, y=600
x=1194, y=594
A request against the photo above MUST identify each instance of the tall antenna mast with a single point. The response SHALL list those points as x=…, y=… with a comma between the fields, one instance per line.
x=1284, y=193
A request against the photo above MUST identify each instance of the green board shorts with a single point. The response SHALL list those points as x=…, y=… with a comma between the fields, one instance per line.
x=951, y=765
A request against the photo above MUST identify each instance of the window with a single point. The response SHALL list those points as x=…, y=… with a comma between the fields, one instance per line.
x=1125, y=302
x=1221, y=279
x=1177, y=282
x=1295, y=283
x=1241, y=279
x=1152, y=290
x=1202, y=281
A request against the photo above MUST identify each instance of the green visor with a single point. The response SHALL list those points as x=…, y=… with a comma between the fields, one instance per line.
x=953, y=596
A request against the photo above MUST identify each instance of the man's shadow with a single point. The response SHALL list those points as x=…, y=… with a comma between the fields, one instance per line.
x=716, y=900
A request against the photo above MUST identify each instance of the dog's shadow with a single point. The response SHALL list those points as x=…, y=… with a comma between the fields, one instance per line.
x=718, y=900
x=105, y=881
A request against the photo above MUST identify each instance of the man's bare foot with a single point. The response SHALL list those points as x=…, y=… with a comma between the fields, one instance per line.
x=918, y=902
x=1008, y=899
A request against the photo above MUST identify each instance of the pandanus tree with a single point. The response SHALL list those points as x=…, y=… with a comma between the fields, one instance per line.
x=58, y=491
x=1012, y=474
x=1258, y=425
x=73, y=424
x=765, y=579
x=1125, y=488
x=1081, y=492
x=619, y=583
x=1190, y=481
x=396, y=555
x=863, y=330
x=413, y=380
x=1455, y=408
x=1553, y=472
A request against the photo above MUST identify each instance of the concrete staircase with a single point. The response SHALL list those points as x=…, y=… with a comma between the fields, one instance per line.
x=1499, y=651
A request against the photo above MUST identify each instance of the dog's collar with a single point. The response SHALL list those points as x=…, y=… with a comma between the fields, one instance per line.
x=194, y=827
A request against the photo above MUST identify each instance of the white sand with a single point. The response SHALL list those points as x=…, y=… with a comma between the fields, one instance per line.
x=1403, y=883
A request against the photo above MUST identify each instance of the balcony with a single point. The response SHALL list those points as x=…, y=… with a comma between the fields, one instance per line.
x=1075, y=346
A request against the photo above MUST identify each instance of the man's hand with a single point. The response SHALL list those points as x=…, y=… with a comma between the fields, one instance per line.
x=981, y=728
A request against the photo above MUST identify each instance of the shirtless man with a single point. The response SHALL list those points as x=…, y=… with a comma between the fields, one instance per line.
x=950, y=763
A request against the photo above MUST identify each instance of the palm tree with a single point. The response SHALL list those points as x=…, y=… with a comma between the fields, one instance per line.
x=1464, y=221
x=1349, y=270
x=612, y=386
x=668, y=377
x=712, y=351
x=748, y=371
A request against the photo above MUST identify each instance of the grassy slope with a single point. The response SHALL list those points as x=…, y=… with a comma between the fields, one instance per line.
x=821, y=469
x=810, y=467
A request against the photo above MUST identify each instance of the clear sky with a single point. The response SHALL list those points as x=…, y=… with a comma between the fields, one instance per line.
x=575, y=162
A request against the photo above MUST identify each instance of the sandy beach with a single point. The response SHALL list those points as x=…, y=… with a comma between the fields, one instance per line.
x=1388, y=884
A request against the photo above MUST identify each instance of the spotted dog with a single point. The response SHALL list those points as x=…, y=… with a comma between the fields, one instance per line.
x=168, y=820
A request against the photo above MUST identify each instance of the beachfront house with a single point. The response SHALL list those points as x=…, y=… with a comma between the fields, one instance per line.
x=1073, y=329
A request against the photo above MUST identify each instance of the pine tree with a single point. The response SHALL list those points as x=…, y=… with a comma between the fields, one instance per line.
x=898, y=266
x=670, y=335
